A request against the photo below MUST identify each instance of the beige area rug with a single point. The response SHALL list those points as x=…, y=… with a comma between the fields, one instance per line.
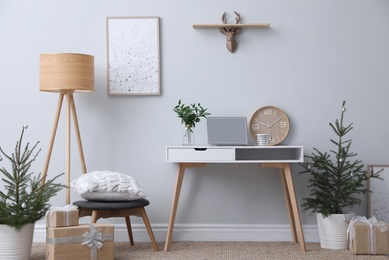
x=222, y=250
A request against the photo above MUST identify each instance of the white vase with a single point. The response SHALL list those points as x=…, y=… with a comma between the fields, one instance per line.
x=188, y=136
x=333, y=230
x=16, y=245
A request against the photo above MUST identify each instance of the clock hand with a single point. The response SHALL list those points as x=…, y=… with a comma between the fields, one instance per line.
x=264, y=124
x=276, y=121
x=267, y=125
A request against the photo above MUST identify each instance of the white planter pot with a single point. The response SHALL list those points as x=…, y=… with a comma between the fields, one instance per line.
x=16, y=245
x=333, y=230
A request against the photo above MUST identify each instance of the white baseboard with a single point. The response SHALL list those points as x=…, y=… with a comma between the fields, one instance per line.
x=196, y=232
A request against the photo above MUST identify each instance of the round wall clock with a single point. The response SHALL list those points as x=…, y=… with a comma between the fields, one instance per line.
x=270, y=120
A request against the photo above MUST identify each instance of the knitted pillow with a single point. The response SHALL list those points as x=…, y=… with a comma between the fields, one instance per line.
x=107, y=186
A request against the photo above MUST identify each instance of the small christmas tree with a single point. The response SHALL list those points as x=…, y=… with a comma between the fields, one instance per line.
x=335, y=180
x=24, y=199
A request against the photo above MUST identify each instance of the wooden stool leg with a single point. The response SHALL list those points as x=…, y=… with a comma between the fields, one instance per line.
x=148, y=227
x=129, y=230
x=94, y=216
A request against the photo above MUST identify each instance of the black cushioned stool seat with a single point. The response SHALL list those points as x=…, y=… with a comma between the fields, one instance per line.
x=97, y=210
x=112, y=205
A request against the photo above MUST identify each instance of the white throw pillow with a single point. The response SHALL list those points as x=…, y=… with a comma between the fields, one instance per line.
x=107, y=186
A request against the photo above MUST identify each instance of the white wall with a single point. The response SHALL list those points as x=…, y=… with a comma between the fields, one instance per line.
x=315, y=54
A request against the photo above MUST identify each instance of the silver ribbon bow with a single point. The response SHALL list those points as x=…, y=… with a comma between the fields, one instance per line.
x=93, y=239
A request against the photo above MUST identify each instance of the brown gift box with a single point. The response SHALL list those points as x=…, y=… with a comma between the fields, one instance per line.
x=369, y=241
x=59, y=218
x=67, y=242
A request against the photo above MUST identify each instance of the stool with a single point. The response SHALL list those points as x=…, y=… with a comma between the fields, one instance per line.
x=124, y=209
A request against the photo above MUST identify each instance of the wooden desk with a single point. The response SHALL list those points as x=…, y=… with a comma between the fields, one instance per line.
x=267, y=156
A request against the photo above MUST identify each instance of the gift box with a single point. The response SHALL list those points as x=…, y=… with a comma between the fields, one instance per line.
x=93, y=241
x=368, y=236
x=62, y=216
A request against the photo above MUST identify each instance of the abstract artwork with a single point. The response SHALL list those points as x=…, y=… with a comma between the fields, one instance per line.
x=133, y=56
x=379, y=197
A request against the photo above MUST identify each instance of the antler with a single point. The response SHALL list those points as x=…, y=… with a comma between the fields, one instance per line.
x=224, y=18
x=237, y=17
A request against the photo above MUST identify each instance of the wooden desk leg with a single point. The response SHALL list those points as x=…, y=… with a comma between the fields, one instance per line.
x=176, y=196
x=289, y=207
x=293, y=200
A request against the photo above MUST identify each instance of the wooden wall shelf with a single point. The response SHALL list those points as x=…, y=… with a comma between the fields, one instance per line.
x=230, y=30
x=252, y=25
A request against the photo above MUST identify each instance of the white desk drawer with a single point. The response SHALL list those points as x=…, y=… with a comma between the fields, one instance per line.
x=194, y=154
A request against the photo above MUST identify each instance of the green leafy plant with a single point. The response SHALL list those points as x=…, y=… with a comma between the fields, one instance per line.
x=336, y=177
x=24, y=198
x=190, y=114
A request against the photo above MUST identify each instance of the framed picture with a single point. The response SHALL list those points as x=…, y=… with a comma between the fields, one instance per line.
x=379, y=197
x=133, y=56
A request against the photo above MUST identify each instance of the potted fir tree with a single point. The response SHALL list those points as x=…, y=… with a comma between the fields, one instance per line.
x=23, y=201
x=190, y=115
x=336, y=179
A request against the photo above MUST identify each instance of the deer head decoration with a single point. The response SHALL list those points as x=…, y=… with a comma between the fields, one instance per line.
x=230, y=32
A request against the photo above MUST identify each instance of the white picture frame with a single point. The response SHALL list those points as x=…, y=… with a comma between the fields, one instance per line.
x=379, y=197
x=133, y=55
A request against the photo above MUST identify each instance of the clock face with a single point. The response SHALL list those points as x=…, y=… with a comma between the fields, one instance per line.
x=272, y=121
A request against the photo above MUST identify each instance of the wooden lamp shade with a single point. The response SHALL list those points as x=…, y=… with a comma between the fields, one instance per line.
x=66, y=72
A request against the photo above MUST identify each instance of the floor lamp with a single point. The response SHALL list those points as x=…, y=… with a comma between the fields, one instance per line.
x=66, y=73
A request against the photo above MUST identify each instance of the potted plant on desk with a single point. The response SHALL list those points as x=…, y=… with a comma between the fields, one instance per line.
x=190, y=115
x=23, y=201
x=335, y=180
